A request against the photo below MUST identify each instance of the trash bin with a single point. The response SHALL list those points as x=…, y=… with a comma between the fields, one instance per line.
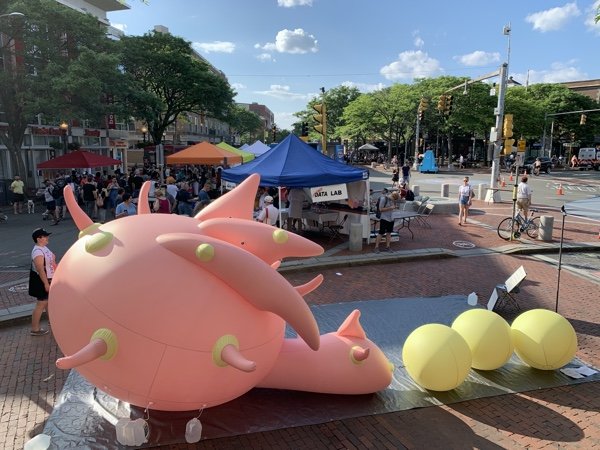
x=546, y=228
x=481, y=191
x=355, y=240
x=416, y=190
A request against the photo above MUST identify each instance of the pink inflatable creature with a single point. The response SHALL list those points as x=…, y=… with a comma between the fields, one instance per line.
x=177, y=313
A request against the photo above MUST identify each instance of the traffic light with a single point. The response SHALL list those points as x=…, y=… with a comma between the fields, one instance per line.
x=421, y=114
x=423, y=104
x=582, y=119
x=441, y=106
x=274, y=132
x=508, y=145
x=321, y=118
x=572, y=137
x=304, y=129
x=507, y=130
x=448, y=110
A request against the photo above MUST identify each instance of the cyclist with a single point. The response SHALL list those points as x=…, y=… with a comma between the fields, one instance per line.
x=524, y=196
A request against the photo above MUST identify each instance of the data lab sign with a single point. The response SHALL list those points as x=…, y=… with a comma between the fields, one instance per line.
x=329, y=193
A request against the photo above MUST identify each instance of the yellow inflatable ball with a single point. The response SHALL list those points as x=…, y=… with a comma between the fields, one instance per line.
x=436, y=357
x=544, y=339
x=487, y=335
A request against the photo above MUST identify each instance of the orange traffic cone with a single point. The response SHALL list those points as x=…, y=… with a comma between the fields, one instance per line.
x=511, y=177
x=559, y=191
x=503, y=182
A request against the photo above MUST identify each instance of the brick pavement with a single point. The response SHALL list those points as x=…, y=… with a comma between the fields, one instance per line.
x=560, y=417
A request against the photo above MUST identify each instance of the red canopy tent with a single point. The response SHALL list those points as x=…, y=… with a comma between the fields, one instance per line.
x=79, y=159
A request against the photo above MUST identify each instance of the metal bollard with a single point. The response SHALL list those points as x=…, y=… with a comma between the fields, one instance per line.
x=355, y=239
x=445, y=191
x=546, y=228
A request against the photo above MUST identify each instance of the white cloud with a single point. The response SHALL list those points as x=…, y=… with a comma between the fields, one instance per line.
x=214, y=47
x=364, y=87
x=119, y=26
x=558, y=73
x=419, y=43
x=238, y=86
x=554, y=18
x=292, y=3
x=411, y=65
x=478, y=58
x=590, y=19
x=291, y=41
x=282, y=92
x=265, y=57
x=285, y=120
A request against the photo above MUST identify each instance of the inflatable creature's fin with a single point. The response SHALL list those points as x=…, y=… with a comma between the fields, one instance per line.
x=237, y=203
x=351, y=326
x=307, y=288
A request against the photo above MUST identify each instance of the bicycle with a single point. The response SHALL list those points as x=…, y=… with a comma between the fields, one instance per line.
x=513, y=227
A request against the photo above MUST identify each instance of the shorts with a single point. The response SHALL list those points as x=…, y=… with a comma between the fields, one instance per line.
x=51, y=206
x=60, y=202
x=464, y=199
x=385, y=227
x=523, y=203
x=18, y=198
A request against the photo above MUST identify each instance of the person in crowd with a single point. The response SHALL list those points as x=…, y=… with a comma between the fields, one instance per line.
x=17, y=187
x=296, y=197
x=185, y=201
x=161, y=205
x=269, y=214
x=89, y=194
x=406, y=172
x=125, y=208
x=43, y=265
x=59, y=185
x=395, y=177
x=524, y=196
x=113, y=194
x=203, y=196
x=102, y=204
x=50, y=201
x=461, y=162
x=385, y=204
x=574, y=161
x=465, y=194
x=537, y=166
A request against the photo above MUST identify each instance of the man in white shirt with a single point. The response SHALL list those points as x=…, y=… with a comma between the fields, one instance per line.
x=524, y=196
x=269, y=214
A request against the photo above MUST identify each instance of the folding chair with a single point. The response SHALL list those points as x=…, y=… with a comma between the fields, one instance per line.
x=503, y=293
x=424, y=213
x=334, y=228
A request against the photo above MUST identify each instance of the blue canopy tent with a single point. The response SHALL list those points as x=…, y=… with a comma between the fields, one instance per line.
x=295, y=164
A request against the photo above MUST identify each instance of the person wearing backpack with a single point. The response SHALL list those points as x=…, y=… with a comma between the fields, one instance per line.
x=59, y=196
x=50, y=201
x=384, y=209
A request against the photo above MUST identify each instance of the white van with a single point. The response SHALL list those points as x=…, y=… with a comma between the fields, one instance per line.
x=589, y=158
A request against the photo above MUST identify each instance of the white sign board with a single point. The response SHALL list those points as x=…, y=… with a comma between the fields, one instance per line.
x=329, y=193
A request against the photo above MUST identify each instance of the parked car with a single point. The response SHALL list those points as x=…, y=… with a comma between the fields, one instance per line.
x=530, y=161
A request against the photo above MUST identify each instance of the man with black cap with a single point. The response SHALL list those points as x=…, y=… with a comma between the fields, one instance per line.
x=43, y=265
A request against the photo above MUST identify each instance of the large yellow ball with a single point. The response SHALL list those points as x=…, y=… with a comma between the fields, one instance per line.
x=436, y=357
x=544, y=339
x=487, y=335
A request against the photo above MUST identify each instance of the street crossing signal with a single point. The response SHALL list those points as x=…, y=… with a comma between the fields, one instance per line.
x=441, y=106
x=507, y=130
x=448, y=110
x=582, y=119
x=321, y=118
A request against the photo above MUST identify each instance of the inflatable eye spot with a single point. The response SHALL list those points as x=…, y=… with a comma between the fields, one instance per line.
x=98, y=241
x=110, y=339
x=392, y=368
x=205, y=252
x=355, y=350
x=221, y=343
x=89, y=230
x=280, y=236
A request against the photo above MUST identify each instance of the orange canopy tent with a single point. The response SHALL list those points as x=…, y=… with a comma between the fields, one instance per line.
x=204, y=153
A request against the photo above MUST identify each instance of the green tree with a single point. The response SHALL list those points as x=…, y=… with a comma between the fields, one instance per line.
x=61, y=67
x=246, y=124
x=165, y=79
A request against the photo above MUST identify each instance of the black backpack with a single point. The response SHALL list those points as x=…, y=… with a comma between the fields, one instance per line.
x=410, y=195
x=59, y=185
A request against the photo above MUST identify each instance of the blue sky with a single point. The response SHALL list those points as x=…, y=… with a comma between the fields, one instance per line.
x=281, y=52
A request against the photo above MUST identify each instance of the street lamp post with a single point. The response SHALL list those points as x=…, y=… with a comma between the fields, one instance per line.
x=64, y=128
x=144, y=131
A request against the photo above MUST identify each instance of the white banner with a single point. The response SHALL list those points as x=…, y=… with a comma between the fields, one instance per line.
x=329, y=193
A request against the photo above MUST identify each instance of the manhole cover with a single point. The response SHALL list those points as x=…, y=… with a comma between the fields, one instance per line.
x=463, y=244
x=24, y=287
